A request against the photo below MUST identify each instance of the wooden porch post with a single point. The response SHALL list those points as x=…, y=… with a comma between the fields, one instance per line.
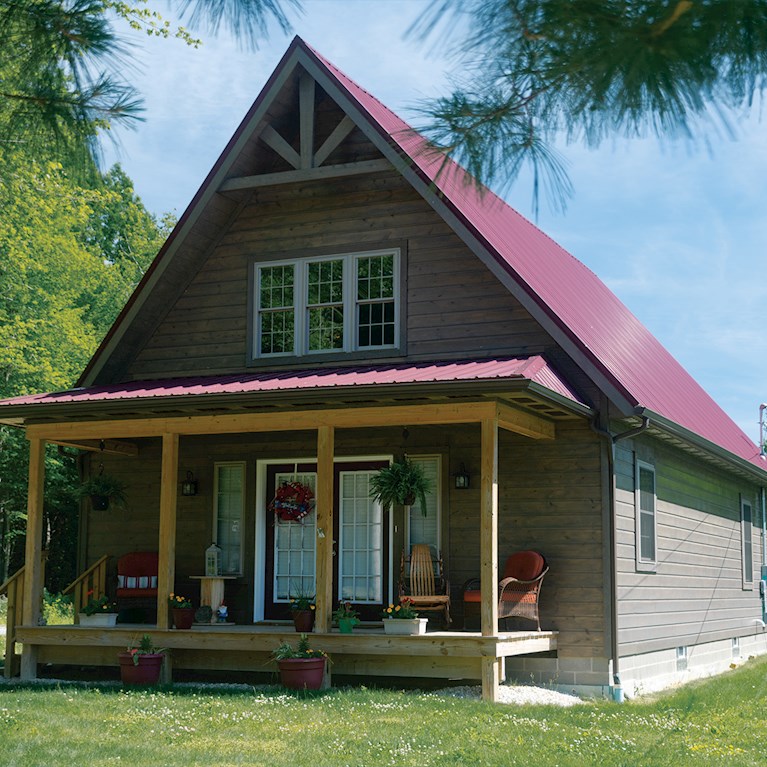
x=33, y=569
x=166, y=565
x=489, y=551
x=325, y=532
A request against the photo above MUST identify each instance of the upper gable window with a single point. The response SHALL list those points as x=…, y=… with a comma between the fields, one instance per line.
x=342, y=303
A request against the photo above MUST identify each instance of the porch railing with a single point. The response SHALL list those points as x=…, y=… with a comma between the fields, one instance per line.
x=13, y=588
x=90, y=583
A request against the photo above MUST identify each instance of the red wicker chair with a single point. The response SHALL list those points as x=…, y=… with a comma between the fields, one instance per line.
x=519, y=589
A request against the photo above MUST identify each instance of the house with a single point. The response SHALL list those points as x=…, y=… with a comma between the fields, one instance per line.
x=334, y=297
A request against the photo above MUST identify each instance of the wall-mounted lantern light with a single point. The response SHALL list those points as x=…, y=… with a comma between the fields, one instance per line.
x=189, y=485
x=462, y=479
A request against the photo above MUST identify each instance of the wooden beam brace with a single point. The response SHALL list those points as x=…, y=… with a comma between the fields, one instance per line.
x=291, y=420
x=488, y=521
x=325, y=531
x=527, y=424
x=301, y=175
x=166, y=566
x=306, y=118
x=33, y=569
x=110, y=446
x=273, y=139
x=340, y=132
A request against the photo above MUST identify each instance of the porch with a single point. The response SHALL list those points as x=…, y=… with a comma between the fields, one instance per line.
x=368, y=652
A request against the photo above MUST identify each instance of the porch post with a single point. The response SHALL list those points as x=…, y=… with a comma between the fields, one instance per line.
x=489, y=551
x=325, y=532
x=33, y=568
x=166, y=565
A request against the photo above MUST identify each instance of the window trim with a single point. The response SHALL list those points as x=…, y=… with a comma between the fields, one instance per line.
x=244, y=469
x=643, y=564
x=747, y=577
x=350, y=306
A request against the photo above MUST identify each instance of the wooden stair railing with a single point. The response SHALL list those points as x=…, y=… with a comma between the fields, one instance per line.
x=13, y=588
x=91, y=583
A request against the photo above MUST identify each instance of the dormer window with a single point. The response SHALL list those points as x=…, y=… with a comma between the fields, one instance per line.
x=334, y=304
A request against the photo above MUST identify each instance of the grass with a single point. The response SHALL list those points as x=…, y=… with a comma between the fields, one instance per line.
x=716, y=722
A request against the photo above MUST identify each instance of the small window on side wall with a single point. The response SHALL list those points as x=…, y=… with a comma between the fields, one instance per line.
x=229, y=504
x=645, y=503
x=426, y=528
x=747, y=542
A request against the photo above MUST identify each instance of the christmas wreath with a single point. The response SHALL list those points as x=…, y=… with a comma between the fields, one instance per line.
x=292, y=502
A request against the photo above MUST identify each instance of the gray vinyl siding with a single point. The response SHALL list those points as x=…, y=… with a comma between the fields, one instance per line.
x=696, y=592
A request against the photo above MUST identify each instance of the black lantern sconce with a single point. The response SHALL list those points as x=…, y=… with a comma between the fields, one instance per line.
x=462, y=479
x=189, y=485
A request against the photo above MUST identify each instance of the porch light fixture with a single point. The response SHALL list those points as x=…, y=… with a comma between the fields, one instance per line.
x=189, y=485
x=462, y=479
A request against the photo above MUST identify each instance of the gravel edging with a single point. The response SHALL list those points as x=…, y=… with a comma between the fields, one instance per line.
x=520, y=695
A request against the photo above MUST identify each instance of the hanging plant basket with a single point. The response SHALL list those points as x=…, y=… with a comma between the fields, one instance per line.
x=292, y=502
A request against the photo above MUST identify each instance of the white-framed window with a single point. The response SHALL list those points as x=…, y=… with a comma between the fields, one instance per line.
x=325, y=305
x=645, y=502
x=426, y=529
x=747, y=542
x=228, y=508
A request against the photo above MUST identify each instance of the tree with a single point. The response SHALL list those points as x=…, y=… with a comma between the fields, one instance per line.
x=535, y=71
x=69, y=258
x=61, y=89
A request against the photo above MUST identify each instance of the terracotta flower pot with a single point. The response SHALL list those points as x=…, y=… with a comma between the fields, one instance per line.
x=303, y=620
x=302, y=673
x=183, y=617
x=147, y=671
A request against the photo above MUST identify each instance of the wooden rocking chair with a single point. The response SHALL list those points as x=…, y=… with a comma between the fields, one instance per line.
x=424, y=584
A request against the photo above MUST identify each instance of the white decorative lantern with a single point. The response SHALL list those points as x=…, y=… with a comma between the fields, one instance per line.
x=213, y=560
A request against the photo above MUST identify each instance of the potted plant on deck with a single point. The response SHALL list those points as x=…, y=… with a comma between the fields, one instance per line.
x=403, y=620
x=346, y=617
x=303, y=610
x=182, y=610
x=403, y=482
x=103, y=489
x=302, y=667
x=141, y=662
x=99, y=611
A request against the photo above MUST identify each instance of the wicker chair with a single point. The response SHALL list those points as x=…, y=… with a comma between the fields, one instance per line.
x=423, y=583
x=518, y=591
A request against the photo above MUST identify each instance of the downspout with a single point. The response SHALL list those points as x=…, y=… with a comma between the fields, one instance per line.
x=612, y=440
x=763, y=581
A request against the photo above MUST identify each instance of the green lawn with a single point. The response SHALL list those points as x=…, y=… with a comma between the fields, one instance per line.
x=717, y=722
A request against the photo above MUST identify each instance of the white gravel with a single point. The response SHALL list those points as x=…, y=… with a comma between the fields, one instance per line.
x=520, y=695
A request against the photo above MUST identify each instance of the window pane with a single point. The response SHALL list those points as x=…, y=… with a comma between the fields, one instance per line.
x=230, y=496
x=326, y=328
x=646, y=514
x=325, y=282
x=277, y=331
x=276, y=287
x=748, y=549
x=425, y=529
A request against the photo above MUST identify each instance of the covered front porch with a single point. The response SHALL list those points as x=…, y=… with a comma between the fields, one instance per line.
x=446, y=654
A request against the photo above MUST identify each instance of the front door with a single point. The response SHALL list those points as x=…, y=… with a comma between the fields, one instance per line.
x=360, y=546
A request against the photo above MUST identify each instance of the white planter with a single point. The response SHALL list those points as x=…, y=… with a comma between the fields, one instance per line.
x=98, y=619
x=405, y=627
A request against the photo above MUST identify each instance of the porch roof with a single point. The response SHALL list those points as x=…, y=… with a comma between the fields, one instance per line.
x=532, y=370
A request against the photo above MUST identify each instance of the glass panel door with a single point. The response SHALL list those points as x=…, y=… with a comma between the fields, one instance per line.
x=361, y=541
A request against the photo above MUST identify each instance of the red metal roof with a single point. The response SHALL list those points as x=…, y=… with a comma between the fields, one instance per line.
x=565, y=289
x=535, y=369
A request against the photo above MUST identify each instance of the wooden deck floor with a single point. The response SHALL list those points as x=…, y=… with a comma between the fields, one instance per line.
x=367, y=652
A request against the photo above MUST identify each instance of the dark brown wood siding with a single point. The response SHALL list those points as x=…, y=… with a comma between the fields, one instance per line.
x=550, y=500
x=455, y=307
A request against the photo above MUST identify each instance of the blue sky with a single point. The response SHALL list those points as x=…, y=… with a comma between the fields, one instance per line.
x=678, y=231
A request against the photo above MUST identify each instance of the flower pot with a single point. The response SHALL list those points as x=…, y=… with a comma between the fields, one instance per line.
x=346, y=625
x=409, y=500
x=302, y=673
x=99, y=502
x=183, y=617
x=146, y=671
x=98, y=619
x=303, y=620
x=405, y=626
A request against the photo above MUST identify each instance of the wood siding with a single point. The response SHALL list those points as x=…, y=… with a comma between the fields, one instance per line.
x=549, y=500
x=454, y=307
x=696, y=594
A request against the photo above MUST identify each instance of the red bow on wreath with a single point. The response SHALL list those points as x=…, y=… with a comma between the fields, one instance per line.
x=292, y=502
